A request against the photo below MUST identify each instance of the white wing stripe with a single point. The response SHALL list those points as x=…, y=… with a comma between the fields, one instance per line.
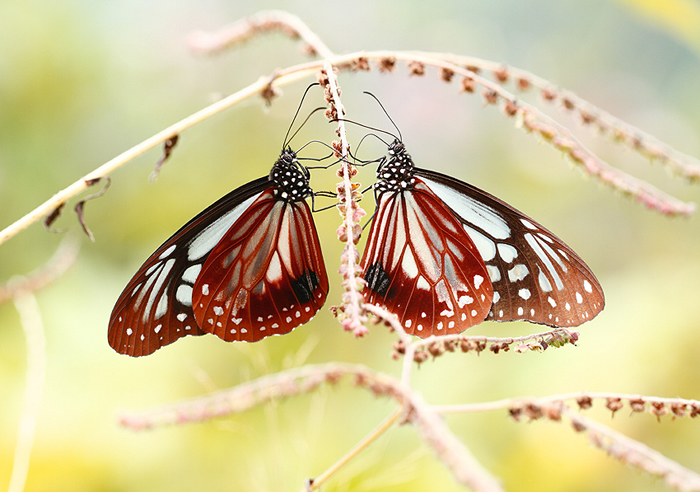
x=470, y=210
x=545, y=260
x=209, y=237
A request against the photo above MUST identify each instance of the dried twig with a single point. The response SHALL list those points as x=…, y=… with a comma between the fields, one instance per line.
x=429, y=424
x=30, y=318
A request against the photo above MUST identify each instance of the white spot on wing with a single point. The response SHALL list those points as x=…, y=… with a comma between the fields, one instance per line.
x=494, y=273
x=518, y=272
x=478, y=279
x=183, y=294
x=528, y=224
x=274, y=270
x=464, y=300
x=167, y=252
x=422, y=284
x=409, y=264
x=524, y=293
x=211, y=235
x=507, y=252
x=190, y=275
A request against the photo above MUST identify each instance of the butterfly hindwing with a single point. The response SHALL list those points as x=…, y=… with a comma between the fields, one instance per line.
x=421, y=265
x=155, y=308
x=535, y=275
x=266, y=276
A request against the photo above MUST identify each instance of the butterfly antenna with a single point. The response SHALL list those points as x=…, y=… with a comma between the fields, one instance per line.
x=385, y=112
x=320, y=108
x=366, y=126
x=286, y=141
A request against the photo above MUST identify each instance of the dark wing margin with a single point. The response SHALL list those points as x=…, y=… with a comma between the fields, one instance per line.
x=155, y=308
x=536, y=277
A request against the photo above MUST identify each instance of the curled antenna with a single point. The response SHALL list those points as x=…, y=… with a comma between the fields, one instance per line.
x=286, y=140
x=385, y=112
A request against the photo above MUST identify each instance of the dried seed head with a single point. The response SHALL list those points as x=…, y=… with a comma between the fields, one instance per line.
x=637, y=405
x=446, y=74
x=468, y=85
x=269, y=93
x=586, y=117
x=659, y=409
x=420, y=356
x=523, y=84
x=584, y=402
x=361, y=64
x=510, y=108
x=436, y=349
x=549, y=94
x=416, y=68
x=490, y=97
x=387, y=64
x=515, y=413
x=568, y=103
x=613, y=404
x=679, y=409
x=501, y=75
x=532, y=411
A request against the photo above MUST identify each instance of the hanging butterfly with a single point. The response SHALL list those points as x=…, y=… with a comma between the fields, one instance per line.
x=247, y=267
x=443, y=256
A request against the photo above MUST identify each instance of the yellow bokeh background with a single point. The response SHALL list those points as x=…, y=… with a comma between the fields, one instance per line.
x=81, y=81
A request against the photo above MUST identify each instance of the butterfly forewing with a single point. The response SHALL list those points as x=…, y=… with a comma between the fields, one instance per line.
x=266, y=276
x=155, y=308
x=535, y=276
x=421, y=265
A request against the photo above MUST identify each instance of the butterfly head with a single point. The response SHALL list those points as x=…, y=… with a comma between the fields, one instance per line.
x=290, y=177
x=396, y=173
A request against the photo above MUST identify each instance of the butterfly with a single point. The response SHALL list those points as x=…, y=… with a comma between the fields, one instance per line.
x=247, y=267
x=443, y=255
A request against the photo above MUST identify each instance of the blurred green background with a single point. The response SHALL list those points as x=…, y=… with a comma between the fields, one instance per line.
x=81, y=81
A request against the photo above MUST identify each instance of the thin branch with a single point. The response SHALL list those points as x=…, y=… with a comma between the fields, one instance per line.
x=431, y=427
x=262, y=22
x=529, y=118
x=375, y=434
x=634, y=453
x=284, y=77
x=657, y=406
x=618, y=130
x=30, y=318
x=58, y=264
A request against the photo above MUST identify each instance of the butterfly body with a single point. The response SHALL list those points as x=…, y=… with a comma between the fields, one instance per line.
x=247, y=267
x=443, y=256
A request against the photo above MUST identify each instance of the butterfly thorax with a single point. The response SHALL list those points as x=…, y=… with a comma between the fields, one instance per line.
x=396, y=173
x=292, y=183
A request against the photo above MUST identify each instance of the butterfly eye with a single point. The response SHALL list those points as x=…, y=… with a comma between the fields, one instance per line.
x=443, y=256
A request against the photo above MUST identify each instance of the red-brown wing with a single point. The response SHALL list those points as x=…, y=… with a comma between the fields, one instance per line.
x=155, y=308
x=265, y=277
x=536, y=277
x=421, y=265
